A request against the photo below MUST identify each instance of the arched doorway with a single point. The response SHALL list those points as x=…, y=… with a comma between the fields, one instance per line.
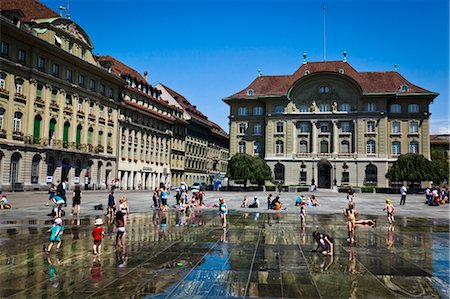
x=279, y=172
x=371, y=177
x=35, y=169
x=107, y=173
x=37, y=129
x=65, y=168
x=324, y=174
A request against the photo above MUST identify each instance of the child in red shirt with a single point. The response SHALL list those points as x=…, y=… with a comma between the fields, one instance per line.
x=98, y=235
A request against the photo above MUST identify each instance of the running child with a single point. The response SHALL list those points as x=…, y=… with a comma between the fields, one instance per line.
x=223, y=212
x=55, y=236
x=98, y=234
x=120, y=224
x=390, y=211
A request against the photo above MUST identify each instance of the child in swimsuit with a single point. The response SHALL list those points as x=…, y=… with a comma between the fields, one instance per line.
x=303, y=209
x=56, y=231
x=120, y=223
x=223, y=212
x=390, y=211
x=350, y=214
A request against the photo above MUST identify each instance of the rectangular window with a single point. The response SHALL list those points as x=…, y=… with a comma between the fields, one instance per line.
x=304, y=127
x=92, y=84
x=55, y=70
x=396, y=127
x=69, y=75
x=371, y=107
x=111, y=93
x=68, y=99
x=345, y=177
x=324, y=128
x=242, y=128
x=70, y=47
x=414, y=127
x=22, y=56
x=242, y=111
x=258, y=110
x=345, y=126
x=41, y=63
x=4, y=48
x=81, y=80
x=257, y=129
x=414, y=147
x=280, y=127
x=303, y=177
x=413, y=108
x=396, y=148
x=102, y=89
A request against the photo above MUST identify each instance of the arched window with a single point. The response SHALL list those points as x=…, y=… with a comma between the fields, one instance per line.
x=396, y=148
x=39, y=88
x=37, y=129
x=371, y=178
x=414, y=127
x=241, y=147
x=395, y=108
x=17, y=126
x=370, y=147
x=66, y=134
x=19, y=86
x=304, y=147
x=35, y=169
x=324, y=89
x=324, y=108
x=279, y=147
x=108, y=140
x=54, y=94
x=370, y=127
x=52, y=130
x=279, y=172
x=414, y=147
x=250, y=92
x=14, y=168
x=78, y=137
x=345, y=147
x=345, y=107
x=324, y=146
x=100, y=138
x=413, y=108
x=50, y=166
x=89, y=136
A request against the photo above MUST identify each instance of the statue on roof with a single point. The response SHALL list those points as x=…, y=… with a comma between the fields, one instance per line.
x=313, y=106
x=334, y=106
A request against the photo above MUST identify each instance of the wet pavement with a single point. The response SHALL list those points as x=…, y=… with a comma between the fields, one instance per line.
x=177, y=255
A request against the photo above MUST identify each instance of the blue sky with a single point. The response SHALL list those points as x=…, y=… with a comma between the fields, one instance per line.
x=208, y=50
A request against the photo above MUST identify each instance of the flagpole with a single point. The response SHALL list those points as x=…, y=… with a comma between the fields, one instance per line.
x=324, y=35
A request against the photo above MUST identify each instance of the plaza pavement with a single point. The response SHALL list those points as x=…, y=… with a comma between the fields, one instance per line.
x=33, y=203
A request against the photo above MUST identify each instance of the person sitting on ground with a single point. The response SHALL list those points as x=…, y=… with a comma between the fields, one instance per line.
x=4, y=202
x=255, y=204
x=297, y=201
x=323, y=241
x=314, y=201
x=244, y=203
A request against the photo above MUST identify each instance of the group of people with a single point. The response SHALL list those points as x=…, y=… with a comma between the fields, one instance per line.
x=437, y=195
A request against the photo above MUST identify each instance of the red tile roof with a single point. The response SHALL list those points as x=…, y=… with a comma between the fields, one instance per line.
x=32, y=9
x=185, y=103
x=119, y=68
x=440, y=139
x=166, y=117
x=370, y=82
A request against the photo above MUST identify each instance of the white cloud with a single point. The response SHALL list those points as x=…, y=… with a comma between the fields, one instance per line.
x=440, y=125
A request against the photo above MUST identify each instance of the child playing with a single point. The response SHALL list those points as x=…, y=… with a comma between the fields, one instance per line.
x=323, y=241
x=350, y=214
x=56, y=231
x=120, y=224
x=223, y=212
x=303, y=209
x=111, y=205
x=244, y=203
x=98, y=235
x=390, y=211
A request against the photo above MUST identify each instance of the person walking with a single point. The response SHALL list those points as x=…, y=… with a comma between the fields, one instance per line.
x=76, y=199
x=403, y=192
x=98, y=234
x=56, y=231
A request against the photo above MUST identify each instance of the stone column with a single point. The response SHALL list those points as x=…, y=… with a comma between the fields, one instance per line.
x=335, y=137
x=355, y=137
x=314, y=136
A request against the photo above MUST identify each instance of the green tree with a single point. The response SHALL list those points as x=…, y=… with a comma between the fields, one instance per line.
x=413, y=168
x=440, y=160
x=243, y=167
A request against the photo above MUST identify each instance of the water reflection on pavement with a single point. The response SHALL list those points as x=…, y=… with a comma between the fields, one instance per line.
x=168, y=254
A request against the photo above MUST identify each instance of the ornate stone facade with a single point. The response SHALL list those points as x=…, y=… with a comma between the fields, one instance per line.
x=328, y=124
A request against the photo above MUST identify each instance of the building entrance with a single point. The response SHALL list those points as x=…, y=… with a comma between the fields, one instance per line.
x=324, y=176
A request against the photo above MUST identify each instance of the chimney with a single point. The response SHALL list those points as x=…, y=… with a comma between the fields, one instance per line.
x=146, y=76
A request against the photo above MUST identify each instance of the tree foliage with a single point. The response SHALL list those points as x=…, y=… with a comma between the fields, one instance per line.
x=440, y=160
x=243, y=167
x=413, y=168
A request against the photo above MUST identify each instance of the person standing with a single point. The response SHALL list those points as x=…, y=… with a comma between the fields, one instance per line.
x=223, y=212
x=98, y=234
x=76, y=199
x=111, y=205
x=403, y=192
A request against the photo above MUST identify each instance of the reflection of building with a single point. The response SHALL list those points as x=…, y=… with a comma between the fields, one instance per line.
x=206, y=144
x=328, y=122
x=58, y=114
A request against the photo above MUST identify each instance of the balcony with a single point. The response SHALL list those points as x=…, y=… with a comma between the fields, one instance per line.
x=20, y=97
x=91, y=116
x=301, y=155
x=110, y=123
x=4, y=92
x=346, y=155
x=68, y=108
x=2, y=133
x=109, y=149
x=101, y=120
x=80, y=113
x=17, y=135
x=39, y=101
x=54, y=105
x=99, y=149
